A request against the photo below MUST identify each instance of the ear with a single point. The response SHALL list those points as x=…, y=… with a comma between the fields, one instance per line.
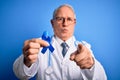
x=75, y=21
x=52, y=23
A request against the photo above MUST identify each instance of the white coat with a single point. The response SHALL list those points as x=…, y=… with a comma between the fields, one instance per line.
x=52, y=66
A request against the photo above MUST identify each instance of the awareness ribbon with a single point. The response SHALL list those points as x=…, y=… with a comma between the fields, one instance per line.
x=46, y=37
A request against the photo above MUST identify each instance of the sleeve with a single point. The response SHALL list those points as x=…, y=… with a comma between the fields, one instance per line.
x=22, y=71
x=96, y=72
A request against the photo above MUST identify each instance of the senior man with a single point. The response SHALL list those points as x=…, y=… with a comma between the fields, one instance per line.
x=70, y=60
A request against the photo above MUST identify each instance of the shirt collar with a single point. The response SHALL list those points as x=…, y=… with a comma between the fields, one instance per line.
x=69, y=41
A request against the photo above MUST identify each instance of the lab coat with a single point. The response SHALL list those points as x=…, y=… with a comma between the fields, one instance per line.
x=53, y=66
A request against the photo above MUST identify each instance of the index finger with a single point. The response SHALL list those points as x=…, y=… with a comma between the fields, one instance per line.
x=42, y=43
x=80, y=48
x=82, y=52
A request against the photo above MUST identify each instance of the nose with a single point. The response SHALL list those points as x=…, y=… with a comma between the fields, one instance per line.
x=65, y=23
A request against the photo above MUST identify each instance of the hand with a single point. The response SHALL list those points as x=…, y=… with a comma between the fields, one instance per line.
x=82, y=57
x=31, y=50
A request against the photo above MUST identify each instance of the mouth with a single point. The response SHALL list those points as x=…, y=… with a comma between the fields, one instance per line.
x=64, y=30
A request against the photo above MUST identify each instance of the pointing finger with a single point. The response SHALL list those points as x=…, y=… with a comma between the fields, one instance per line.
x=80, y=48
x=73, y=55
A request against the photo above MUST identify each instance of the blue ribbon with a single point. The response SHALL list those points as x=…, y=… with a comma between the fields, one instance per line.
x=46, y=37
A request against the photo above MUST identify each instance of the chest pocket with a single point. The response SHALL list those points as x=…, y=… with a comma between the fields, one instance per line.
x=50, y=74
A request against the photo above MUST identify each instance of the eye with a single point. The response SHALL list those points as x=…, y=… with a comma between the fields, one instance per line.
x=69, y=19
x=59, y=18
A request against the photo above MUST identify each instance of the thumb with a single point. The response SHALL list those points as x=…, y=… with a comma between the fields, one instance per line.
x=72, y=56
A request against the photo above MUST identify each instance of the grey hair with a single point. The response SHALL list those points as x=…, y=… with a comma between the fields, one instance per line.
x=67, y=5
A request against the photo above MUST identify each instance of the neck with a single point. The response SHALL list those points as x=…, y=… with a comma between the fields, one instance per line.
x=63, y=39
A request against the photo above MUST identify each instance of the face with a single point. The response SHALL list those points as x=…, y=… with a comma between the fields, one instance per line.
x=63, y=23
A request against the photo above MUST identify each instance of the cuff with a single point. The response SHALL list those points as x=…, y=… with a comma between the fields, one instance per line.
x=32, y=70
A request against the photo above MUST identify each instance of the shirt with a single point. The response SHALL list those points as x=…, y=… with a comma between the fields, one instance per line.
x=53, y=66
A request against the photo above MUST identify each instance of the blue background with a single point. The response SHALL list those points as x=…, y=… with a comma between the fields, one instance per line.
x=98, y=22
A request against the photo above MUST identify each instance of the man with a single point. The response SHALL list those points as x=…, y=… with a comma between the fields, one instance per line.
x=70, y=60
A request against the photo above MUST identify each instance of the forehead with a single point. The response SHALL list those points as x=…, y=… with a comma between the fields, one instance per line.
x=65, y=11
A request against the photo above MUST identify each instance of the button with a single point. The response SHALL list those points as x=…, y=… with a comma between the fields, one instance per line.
x=49, y=70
